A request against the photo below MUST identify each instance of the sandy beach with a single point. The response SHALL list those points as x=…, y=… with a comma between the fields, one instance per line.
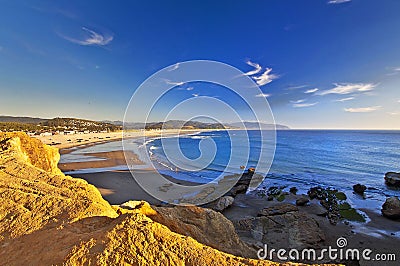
x=64, y=142
x=118, y=187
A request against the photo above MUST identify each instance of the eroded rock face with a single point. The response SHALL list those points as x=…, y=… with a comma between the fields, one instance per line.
x=34, y=193
x=34, y=152
x=392, y=179
x=297, y=230
x=391, y=208
x=47, y=218
x=206, y=226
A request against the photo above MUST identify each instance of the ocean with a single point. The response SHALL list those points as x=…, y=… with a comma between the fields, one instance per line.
x=303, y=158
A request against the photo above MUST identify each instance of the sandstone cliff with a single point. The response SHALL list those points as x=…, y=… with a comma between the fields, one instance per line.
x=47, y=218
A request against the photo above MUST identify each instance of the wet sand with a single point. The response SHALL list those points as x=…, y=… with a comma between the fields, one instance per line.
x=118, y=187
x=109, y=159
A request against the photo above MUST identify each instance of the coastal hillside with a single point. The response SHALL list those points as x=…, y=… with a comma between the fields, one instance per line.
x=47, y=218
x=257, y=125
x=32, y=124
x=174, y=124
x=21, y=119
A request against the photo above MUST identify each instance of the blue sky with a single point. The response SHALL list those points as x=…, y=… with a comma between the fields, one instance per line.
x=326, y=64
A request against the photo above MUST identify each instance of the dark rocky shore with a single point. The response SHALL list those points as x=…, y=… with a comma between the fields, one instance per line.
x=280, y=218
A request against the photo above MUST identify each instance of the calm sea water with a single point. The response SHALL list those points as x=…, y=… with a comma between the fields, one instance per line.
x=303, y=158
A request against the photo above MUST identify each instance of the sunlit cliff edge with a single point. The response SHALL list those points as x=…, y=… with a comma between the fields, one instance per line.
x=47, y=218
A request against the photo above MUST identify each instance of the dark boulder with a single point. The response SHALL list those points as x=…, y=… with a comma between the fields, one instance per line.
x=392, y=179
x=359, y=189
x=391, y=208
x=240, y=189
x=222, y=203
x=293, y=190
x=302, y=201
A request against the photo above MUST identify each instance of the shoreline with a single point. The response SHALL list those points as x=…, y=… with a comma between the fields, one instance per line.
x=108, y=163
x=377, y=233
x=70, y=142
x=102, y=160
x=380, y=234
x=110, y=159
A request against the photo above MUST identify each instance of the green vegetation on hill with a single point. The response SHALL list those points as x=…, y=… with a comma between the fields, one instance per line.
x=8, y=123
x=16, y=126
x=79, y=124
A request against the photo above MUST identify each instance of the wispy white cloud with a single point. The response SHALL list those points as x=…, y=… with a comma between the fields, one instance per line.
x=345, y=99
x=338, y=1
x=90, y=37
x=265, y=78
x=189, y=88
x=311, y=90
x=174, y=67
x=346, y=88
x=363, y=109
x=298, y=101
x=393, y=113
x=302, y=105
x=195, y=95
x=257, y=68
x=296, y=87
x=393, y=71
x=179, y=83
x=265, y=95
